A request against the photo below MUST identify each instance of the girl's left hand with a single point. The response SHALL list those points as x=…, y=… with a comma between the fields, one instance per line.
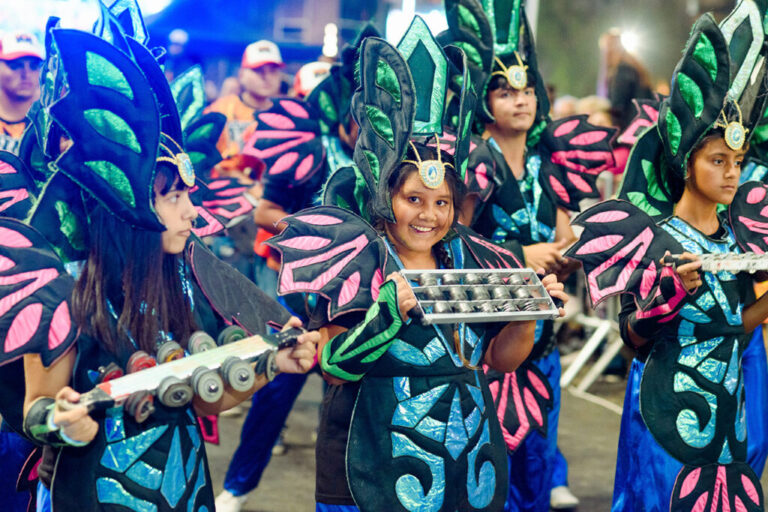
x=555, y=289
x=301, y=357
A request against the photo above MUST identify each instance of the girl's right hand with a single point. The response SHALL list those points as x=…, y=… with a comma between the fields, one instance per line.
x=73, y=420
x=406, y=300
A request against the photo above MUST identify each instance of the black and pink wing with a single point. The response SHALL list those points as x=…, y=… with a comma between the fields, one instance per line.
x=331, y=252
x=17, y=188
x=717, y=488
x=620, y=250
x=487, y=254
x=646, y=115
x=288, y=140
x=575, y=153
x=34, y=296
x=749, y=217
x=522, y=399
x=219, y=204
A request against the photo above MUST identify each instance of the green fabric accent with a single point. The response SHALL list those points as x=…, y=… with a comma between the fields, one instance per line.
x=674, y=131
x=467, y=124
x=326, y=104
x=650, y=177
x=504, y=17
x=103, y=73
x=202, y=132
x=704, y=54
x=535, y=132
x=691, y=93
x=196, y=157
x=639, y=200
x=342, y=203
x=352, y=346
x=116, y=178
x=69, y=226
x=381, y=124
x=361, y=187
x=472, y=54
x=373, y=163
x=387, y=80
x=113, y=127
x=467, y=20
x=760, y=133
x=324, y=128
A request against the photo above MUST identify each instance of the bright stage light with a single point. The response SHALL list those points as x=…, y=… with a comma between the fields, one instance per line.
x=630, y=40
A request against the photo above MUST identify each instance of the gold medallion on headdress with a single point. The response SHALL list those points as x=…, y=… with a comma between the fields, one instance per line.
x=182, y=162
x=432, y=172
x=735, y=132
x=516, y=75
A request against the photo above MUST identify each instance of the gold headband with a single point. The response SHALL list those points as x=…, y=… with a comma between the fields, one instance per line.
x=735, y=133
x=181, y=160
x=516, y=76
x=432, y=172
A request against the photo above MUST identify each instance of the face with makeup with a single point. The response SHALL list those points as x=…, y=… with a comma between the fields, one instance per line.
x=177, y=213
x=513, y=109
x=714, y=170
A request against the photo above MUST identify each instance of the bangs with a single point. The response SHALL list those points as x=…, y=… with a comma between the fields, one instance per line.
x=167, y=179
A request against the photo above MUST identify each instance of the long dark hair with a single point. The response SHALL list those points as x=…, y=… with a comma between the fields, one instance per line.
x=127, y=267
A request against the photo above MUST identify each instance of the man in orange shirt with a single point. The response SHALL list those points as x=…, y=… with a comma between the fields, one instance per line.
x=20, y=59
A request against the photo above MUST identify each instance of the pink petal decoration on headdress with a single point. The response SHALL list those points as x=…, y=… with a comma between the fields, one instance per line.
x=559, y=189
x=756, y=195
x=6, y=263
x=60, y=326
x=278, y=121
x=608, y=216
x=294, y=109
x=304, y=167
x=284, y=163
x=23, y=327
x=588, y=138
x=566, y=128
x=579, y=182
x=11, y=238
x=349, y=289
x=600, y=244
x=319, y=220
x=6, y=168
x=305, y=243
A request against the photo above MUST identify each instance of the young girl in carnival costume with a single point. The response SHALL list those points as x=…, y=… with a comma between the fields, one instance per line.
x=408, y=419
x=690, y=324
x=104, y=246
x=542, y=170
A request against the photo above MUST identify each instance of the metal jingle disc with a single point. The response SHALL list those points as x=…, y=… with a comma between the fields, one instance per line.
x=457, y=293
x=238, y=374
x=521, y=292
x=140, y=360
x=109, y=372
x=487, y=307
x=442, y=308
x=434, y=293
x=451, y=279
x=174, y=392
x=480, y=293
x=494, y=279
x=200, y=341
x=515, y=279
x=465, y=307
x=207, y=384
x=500, y=292
x=427, y=280
x=231, y=334
x=140, y=405
x=473, y=278
x=169, y=351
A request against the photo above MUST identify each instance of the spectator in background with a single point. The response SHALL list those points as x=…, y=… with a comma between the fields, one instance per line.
x=20, y=59
x=622, y=78
x=597, y=108
x=564, y=106
x=309, y=76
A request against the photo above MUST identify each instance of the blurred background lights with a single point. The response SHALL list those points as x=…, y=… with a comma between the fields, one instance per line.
x=630, y=40
x=331, y=40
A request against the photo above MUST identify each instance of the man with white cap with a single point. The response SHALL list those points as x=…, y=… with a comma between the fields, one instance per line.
x=20, y=59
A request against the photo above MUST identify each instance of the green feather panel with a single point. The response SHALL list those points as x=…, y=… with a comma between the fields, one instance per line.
x=691, y=93
x=117, y=179
x=381, y=125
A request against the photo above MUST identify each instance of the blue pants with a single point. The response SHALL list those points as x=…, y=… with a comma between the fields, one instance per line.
x=14, y=450
x=270, y=407
x=537, y=465
x=645, y=473
x=322, y=507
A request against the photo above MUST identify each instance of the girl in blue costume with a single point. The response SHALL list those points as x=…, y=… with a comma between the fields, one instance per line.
x=407, y=419
x=685, y=435
x=120, y=194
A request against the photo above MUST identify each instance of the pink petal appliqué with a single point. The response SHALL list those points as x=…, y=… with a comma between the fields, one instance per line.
x=646, y=283
x=539, y=386
x=6, y=263
x=738, y=505
x=213, y=225
x=319, y=220
x=600, y=244
x=284, y=163
x=533, y=407
x=609, y=216
x=23, y=327
x=749, y=488
x=481, y=175
x=11, y=238
x=579, y=182
x=61, y=324
x=349, y=289
x=278, y=121
x=306, y=243
x=304, y=167
x=566, y=128
x=16, y=195
x=651, y=112
x=588, y=138
x=559, y=189
x=378, y=279
x=242, y=206
x=294, y=109
x=755, y=249
x=689, y=484
x=217, y=184
x=6, y=168
x=701, y=503
x=756, y=195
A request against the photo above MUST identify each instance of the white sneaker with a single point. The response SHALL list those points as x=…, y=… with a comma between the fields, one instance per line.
x=228, y=502
x=561, y=498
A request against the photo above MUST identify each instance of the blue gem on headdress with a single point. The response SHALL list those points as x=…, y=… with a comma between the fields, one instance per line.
x=735, y=135
x=186, y=169
x=432, y=173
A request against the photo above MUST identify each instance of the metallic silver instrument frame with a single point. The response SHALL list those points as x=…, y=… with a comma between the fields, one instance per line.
x=537, y=295
x=733, y=262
